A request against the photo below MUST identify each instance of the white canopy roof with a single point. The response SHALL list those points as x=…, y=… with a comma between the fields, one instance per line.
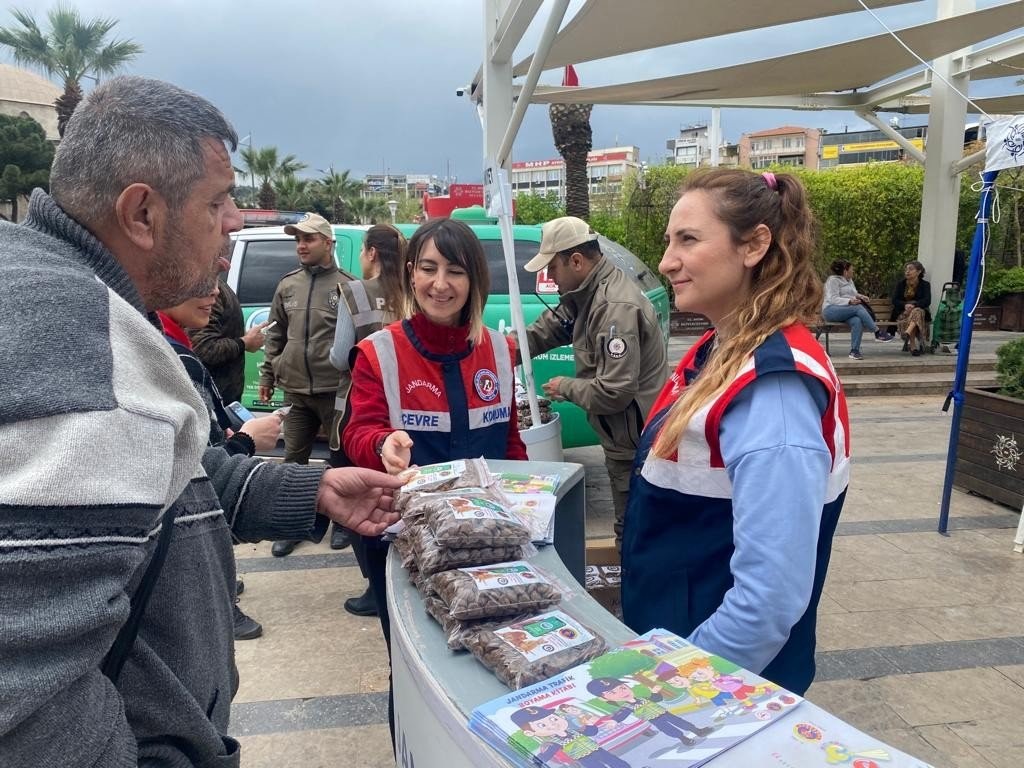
x=846, y=66
x=643, y=24
x=993, y=105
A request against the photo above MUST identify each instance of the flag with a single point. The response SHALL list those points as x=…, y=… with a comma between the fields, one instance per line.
x=1004, y=143
x=569, y=79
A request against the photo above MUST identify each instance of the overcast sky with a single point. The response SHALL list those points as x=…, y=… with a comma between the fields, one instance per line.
x=370, y=86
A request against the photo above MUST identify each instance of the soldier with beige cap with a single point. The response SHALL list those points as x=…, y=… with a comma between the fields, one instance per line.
x=616, y=339
x=297, y=348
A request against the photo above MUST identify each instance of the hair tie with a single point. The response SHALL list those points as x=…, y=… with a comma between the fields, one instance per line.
x=770, y=180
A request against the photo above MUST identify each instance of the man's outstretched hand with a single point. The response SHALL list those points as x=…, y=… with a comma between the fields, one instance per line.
x=359, y=499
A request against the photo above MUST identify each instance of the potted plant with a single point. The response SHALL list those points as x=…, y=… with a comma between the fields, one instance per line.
x=1005, y=287
x=990, y=446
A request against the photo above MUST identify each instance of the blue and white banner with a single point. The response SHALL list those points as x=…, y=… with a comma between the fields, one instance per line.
x=1004, y=146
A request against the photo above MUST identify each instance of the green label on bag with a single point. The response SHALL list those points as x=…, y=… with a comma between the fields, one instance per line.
x=471, y=507
x=544, y=635
x=504, y=575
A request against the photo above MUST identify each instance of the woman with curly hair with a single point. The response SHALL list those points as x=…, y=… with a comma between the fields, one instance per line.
x=744, y=460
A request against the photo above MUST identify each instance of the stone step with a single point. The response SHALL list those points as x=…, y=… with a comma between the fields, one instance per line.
x=873, y=365
x=917, y=383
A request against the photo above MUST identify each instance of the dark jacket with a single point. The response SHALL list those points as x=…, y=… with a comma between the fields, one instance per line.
x=619, y=350
x=922, y=298
x=207, y=389
x=296, y=354
x=219, y=345
x=131, y=432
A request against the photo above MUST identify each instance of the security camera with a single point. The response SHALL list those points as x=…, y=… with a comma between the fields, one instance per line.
x=460, y=92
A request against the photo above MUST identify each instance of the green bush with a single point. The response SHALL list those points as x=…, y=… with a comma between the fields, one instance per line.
x=537, y=209
x=1010, y=368
x=1002, y=282
x=867, y=214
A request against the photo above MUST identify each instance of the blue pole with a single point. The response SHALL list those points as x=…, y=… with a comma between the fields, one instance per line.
x=966, y=330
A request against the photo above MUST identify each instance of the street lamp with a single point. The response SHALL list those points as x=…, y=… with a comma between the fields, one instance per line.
x=252, y=174
x=393, y=207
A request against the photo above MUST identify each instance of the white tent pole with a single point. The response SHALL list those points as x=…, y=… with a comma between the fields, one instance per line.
x=941, y=196
x=532, y=76
x=1018, y=540
x=497, y=87
x=514, y=299
x=716, y=135
x=496, y=105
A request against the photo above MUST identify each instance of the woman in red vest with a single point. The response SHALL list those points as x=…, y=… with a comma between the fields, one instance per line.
x=439, y=385
x=744, y=462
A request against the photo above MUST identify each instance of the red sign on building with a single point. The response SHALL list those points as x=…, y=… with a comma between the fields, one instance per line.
x=459, y=196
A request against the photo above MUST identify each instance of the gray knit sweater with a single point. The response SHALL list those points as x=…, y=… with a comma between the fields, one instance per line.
x=101, y=431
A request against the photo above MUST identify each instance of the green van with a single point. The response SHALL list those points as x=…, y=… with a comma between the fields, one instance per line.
x=262, y=255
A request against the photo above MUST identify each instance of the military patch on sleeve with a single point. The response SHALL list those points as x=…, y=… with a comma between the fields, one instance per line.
x=332, y=300
x=616, y=348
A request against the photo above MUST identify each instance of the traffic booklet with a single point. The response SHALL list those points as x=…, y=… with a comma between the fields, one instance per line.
x=654, y=701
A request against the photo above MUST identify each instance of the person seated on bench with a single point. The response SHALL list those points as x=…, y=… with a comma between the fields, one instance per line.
x=911, y=302
x=843, y=304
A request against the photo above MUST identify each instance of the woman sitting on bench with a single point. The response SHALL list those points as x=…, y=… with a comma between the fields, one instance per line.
x=844, y=305
x=911, y=302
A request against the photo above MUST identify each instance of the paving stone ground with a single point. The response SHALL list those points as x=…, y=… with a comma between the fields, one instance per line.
x=921, y=636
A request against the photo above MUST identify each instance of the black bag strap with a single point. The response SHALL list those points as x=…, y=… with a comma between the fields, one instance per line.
x=118, y=653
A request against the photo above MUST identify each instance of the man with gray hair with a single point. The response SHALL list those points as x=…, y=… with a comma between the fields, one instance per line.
x=116, y=521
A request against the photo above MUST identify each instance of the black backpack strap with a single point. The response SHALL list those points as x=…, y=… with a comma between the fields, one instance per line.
x=118, y=653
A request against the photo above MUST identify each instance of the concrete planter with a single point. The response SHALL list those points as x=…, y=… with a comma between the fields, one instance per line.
x=988, y=317
x=687, y=324
x=990, y=447
x=1013, y=312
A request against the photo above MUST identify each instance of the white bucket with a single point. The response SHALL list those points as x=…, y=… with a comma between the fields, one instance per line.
x=544, y=441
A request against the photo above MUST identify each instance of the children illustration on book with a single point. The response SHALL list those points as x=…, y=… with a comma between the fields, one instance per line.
x=704, y=682
x=553, y=732
x=647, y=709
x=634, y=706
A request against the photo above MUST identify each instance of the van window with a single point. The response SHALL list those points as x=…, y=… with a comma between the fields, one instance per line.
x=264, y=263
x=525, y=250
x=625, y=260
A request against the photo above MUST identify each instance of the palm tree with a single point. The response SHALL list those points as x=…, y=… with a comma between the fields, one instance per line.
x=71, y=50
x=369, y=210
x=292, y=193
x=263, y=164
x=338, y=190
x=570, y=126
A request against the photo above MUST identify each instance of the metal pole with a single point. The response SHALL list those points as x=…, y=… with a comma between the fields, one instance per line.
x=547, y=38
x=715, y=135
x=974, y=271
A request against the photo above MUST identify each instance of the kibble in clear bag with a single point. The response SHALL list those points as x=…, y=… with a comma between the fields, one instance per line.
x=432, y=558
x=470, y=517
x=490, y=591
x=444, y=476
x=534, y=649
x=456, y=631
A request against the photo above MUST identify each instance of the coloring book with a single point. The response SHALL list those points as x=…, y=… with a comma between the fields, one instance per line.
x=654, y=701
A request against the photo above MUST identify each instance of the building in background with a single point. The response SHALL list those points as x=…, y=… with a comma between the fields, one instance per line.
x=26, y=94
x=787, y=145
x=606, y=169
x=401, y=185
x=868, y=146
x=692, y=149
